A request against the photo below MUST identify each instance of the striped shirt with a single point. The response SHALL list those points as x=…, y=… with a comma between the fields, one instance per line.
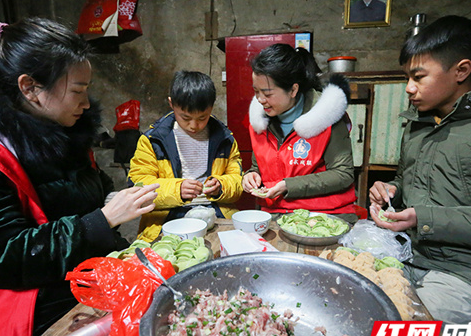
x=193, y=151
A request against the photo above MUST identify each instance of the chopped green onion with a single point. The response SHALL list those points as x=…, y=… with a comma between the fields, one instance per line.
x=190, y=299
x=215, y=274
x=274, y=317
x=193, y=325
x=227, y=311
x=235, y=304
x=205, y=322
x=298, y=304
x=245, y=310
x=255, y=276
x=286, y=325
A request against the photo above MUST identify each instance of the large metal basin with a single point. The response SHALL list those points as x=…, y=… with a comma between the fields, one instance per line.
x=328, y=294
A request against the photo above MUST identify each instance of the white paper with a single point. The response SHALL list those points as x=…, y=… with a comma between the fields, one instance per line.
x=237, y=242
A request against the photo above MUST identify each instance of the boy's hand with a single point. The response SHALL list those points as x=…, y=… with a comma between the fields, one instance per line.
x=378, y=194
x=251, y=181
x=212, y=187
x=190, y=189
x=404, y=220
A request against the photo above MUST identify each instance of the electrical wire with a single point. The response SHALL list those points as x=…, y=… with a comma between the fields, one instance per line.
x=211, y=9
x=234, y=19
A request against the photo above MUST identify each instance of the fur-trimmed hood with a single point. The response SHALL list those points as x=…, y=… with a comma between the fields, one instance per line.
x=35, y=141
x=328, y=110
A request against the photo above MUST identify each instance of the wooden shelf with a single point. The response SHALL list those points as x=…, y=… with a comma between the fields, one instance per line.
x=382, y=167
x=373, y=77
x=362, y=87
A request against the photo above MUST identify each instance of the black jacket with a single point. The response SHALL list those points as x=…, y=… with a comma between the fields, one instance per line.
x=71, y=192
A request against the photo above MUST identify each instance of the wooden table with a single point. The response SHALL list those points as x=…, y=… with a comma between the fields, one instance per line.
x=273, y=236
x=81, y=315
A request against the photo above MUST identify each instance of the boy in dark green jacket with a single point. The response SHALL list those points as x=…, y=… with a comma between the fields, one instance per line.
x=433, y=183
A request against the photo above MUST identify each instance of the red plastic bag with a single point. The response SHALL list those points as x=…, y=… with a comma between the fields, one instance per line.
x=122, y=287
x=109, y=18
x=127, y=19
x=127, y=115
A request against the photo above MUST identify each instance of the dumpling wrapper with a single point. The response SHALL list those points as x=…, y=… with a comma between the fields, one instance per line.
x=383, y=218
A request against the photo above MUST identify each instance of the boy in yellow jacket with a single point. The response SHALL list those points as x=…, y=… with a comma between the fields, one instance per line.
x=192, y=155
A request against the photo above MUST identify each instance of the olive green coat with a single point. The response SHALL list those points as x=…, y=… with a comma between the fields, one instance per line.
x=434, y=177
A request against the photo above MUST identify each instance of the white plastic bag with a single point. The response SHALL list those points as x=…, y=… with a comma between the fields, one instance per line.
x=365, y=236
x=207, y=214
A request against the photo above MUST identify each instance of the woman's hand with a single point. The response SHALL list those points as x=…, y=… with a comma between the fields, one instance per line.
x=378, y=194
x=129, y=204
x=212, y=187
x=403, y=220
x=190, y=189
x=277, y=190
x=251, y=181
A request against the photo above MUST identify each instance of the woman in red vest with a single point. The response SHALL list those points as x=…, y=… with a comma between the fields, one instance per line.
x=52, y=211
x=300, y=138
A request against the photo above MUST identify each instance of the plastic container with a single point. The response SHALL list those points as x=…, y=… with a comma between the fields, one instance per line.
x=100, y=327
x=342, y=64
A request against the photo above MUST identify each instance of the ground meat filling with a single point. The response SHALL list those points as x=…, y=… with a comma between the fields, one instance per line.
x=243, y=315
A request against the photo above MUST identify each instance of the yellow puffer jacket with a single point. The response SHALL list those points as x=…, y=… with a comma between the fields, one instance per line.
x=157, y=160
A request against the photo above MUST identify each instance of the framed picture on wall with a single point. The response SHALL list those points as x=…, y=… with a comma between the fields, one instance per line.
x=367, y=13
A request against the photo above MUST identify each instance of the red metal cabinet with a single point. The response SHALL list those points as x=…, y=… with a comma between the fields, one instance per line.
x=239, y=52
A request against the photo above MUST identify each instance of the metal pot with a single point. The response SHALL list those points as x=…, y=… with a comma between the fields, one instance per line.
x=319, y=292
x=341, y=64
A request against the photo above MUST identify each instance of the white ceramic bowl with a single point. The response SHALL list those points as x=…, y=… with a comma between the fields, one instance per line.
x=185, y=228
x=252, y=221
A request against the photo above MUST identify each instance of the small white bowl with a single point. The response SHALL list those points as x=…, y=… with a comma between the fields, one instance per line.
x=252, y=221
x=185, y=228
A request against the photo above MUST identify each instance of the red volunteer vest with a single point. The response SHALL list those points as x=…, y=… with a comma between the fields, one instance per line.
x=17, y=306
x=297, y=157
